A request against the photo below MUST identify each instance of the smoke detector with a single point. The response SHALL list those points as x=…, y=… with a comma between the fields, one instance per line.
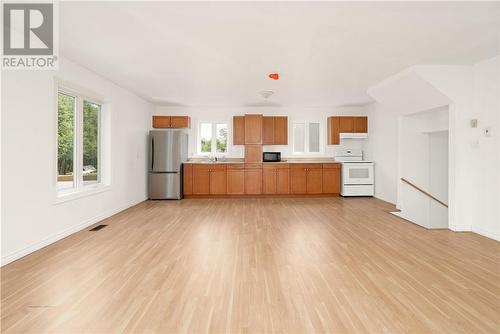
x=266, y=93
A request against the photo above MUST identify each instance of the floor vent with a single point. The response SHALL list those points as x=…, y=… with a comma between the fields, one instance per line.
x=98, y=227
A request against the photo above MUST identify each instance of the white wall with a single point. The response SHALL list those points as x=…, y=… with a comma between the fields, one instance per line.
x=223, y=114
x=473, y=92
x=30, y=217
x=487, y=107
x=382, y=148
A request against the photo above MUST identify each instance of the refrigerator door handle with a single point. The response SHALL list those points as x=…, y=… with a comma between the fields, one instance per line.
x=152, y=153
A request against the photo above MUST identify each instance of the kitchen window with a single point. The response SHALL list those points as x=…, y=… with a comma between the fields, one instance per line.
x=213, y=138
x=79, y=142
x=307, y=138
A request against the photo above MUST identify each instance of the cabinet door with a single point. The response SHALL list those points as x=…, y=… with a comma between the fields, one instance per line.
x=269, y=180
x=235, y=181
x=253, y=153
x=361, y=124
x=314, y=181
x=268, y=130
x=187, y=180
x=280, y=130
x=179, y=122
x=346, y=124
x=201, y=179
x=282, y=181
x=253, y=129
x=333, y=130
x=253, y=181
x=331, y=181
x=218, y=179
x=161, y=122
x=298, y=180
x=239, y=130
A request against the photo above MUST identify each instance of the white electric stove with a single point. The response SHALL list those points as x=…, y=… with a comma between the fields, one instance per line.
x=356, y=174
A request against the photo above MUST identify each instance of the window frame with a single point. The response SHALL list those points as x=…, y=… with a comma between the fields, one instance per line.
x=306, y=138
x=213, y=146
x=80, y=189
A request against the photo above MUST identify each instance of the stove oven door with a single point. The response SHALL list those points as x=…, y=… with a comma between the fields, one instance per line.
x=357, y=173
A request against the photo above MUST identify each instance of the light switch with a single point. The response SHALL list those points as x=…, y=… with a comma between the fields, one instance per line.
x=473, y=123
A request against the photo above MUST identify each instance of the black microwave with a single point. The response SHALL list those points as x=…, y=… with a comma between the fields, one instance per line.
x=271, y=156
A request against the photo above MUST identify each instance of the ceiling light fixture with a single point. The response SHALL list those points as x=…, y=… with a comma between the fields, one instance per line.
x=266, y=93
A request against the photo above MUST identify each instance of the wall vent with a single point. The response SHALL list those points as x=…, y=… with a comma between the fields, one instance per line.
x=98, y=227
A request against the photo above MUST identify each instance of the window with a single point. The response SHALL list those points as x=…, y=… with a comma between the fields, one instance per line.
x=79, y=148
x=306, y=138
x=213, y=138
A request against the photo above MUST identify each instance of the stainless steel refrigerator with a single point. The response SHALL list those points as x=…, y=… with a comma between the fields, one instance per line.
x=168, y=149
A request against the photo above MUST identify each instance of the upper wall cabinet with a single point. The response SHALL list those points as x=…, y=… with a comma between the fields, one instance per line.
x=280, y=130
x=266, y=130
x=345, y=124
x=275, y=130
x=171, y=122
x=239, y=130
x=253, y=129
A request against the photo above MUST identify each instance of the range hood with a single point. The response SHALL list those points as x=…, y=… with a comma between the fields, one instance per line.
x=353, y=135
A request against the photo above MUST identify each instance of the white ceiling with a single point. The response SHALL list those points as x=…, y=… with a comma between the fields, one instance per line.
x=219, y=53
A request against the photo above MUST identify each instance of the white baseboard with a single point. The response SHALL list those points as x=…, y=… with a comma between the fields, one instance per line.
x=458, y=228
x=63, y=234
x=487, y=233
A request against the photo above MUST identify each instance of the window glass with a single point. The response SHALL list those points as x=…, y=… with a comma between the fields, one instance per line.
x=221, y=137
x=65, y=141
x=91, y=114
x=206, y=137
x=314, y=137
x=299, y=136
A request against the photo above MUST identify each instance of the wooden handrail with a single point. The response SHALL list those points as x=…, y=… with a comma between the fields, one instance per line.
x=424, y=192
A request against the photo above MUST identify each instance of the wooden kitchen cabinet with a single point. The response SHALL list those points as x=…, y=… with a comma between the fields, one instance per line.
x=276, y=179
x=179, y=122
x=280, y=130
x=314, y=181
x=171, y=122
x=253, y=180
x=268, y=130
x=345, y=124
x=161, y=122
x=201, y=179
x=331, y=178
x=361, y=124
x=306, y=178
x=235, y=179
x=239, y=130
x=298, y=179
x=253, y=153
x=218, y=180
x=187, y=180
x=253, y=129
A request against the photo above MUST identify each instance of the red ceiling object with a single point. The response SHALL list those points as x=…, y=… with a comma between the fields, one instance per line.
x=274, y=76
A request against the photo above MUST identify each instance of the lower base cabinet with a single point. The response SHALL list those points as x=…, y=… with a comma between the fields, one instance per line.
x=256, y=179
x=331, y=178
x=253, y=181
x=235, y=180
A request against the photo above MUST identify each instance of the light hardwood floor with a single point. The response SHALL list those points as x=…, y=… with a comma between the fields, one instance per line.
x=286, y=265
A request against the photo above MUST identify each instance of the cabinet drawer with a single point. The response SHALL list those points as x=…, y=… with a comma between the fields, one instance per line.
x=250, y=166
x=275, y=166
x=331, y=166
x=306, y=166
x=235, y=166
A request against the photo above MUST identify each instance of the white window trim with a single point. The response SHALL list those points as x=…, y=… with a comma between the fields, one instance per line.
x=306, y=139
x=79, y=189
x=213, y=151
